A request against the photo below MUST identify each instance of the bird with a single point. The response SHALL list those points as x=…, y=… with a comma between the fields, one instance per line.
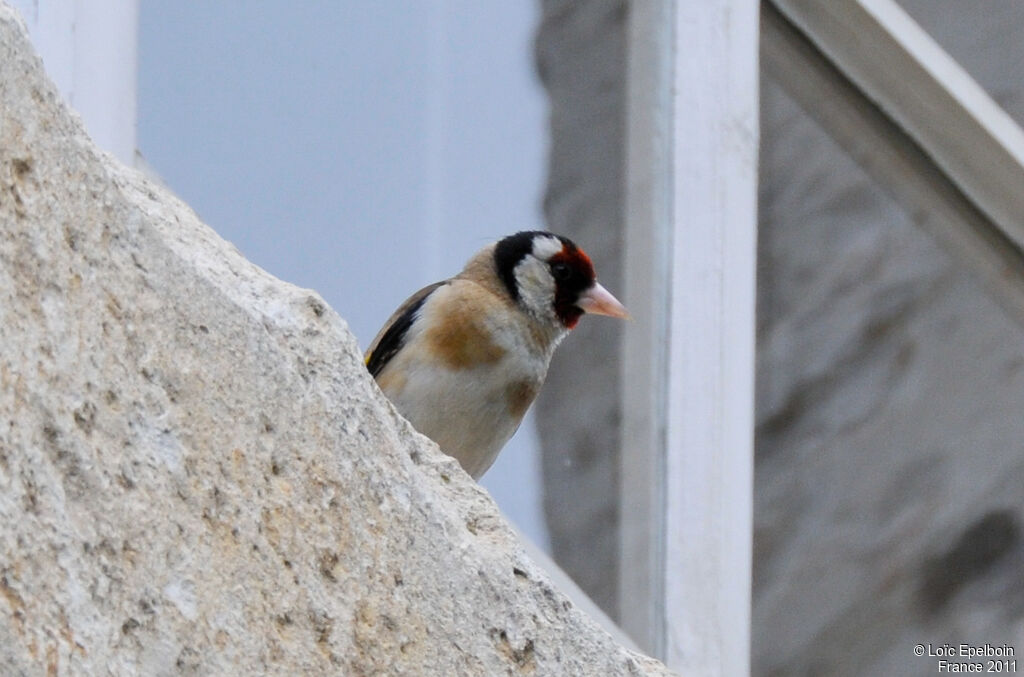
x=463, y=359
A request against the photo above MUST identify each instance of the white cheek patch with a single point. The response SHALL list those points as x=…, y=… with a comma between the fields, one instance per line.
x=536, y=287
x=546, y=247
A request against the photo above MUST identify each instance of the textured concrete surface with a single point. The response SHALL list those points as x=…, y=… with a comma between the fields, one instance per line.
x=888, y=491
x=581, y=61
x=197, y=476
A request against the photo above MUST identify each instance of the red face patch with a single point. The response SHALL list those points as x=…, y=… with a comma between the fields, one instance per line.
x=574, y=274
x=578, y=260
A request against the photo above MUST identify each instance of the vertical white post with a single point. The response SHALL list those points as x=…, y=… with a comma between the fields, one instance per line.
x=691, y=250
x=647, y=293
x=709, y=467
x=90, y=52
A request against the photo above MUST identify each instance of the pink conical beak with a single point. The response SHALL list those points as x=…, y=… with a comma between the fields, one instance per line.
x=598, y=301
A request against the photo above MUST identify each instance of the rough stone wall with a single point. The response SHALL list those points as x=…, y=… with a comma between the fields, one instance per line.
x=889, y=497
x=581, y=60
x=197, y=476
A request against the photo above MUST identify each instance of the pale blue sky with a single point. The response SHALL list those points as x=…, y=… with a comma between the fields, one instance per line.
x=362, y=149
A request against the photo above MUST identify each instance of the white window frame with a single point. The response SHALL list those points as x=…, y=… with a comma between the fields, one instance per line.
x=911, y=117
x=915, y=121
x=688, y=358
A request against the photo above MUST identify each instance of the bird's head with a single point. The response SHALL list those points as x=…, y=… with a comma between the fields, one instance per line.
x=552, y=279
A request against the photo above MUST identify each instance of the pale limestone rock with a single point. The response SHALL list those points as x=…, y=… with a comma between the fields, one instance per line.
x=197, y=476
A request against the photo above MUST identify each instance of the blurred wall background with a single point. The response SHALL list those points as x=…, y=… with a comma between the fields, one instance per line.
x=889, y=441
x=581, y=59
x=888, y=492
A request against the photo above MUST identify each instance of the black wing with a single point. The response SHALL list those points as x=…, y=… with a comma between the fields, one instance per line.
x=392, y=337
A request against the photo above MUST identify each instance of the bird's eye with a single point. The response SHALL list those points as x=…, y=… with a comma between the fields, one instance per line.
x=560, y=271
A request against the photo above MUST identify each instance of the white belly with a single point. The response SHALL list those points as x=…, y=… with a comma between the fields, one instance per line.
x=466, y=412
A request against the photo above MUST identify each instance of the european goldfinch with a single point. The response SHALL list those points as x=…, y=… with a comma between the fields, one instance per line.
x=463, y=359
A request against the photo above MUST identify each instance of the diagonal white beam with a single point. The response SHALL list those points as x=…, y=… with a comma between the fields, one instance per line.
x=903, y=71
x=909, y=167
